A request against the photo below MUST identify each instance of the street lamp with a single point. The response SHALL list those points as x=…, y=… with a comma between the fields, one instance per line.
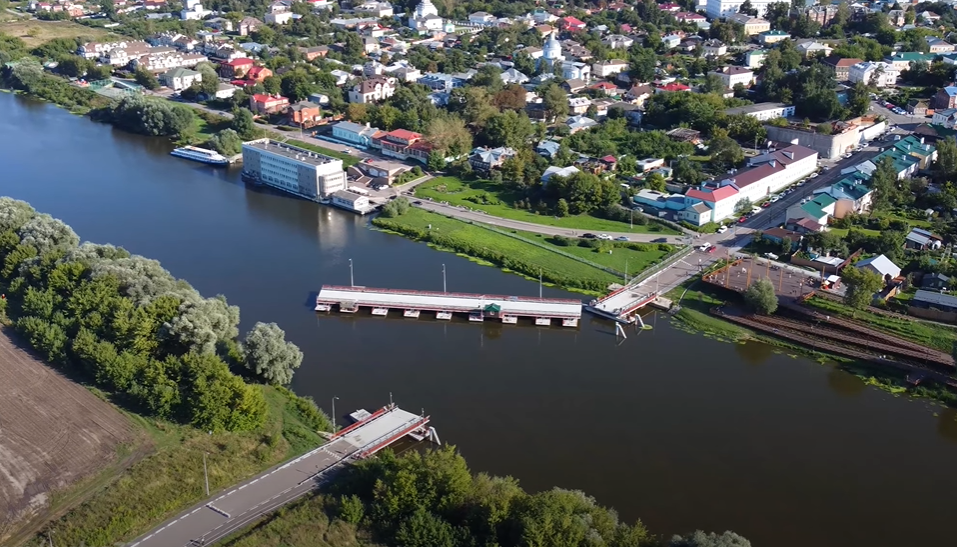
x=444, y=287
x=334, y=410
x=352, y=282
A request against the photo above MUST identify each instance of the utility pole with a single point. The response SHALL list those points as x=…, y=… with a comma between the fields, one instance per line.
x=352, y=282
x=444, y=288
x=205, y=474
x=334, y=413
x=539, y=282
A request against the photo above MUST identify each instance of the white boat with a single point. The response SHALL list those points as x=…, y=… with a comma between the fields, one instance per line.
x=543, y=321
x=380, y=311
x=201, y=155
x=509, y=319
x=570, y=322
x=443, y=315
x=414, y=314
x=323, y=307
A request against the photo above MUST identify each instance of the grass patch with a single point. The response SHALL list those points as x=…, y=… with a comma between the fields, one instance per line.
x=929, y=334
x=843, y=231
x=696, y=300
x=495, y=200
x=171, y=479
x=347, y=160
x=36, y=32
x=504, y=251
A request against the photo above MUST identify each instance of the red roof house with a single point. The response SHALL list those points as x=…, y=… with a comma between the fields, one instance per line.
x=571, y=24
x=267, y=104
x=673, y=86
x=237, y=68
x=258, y=73
x=673, y=8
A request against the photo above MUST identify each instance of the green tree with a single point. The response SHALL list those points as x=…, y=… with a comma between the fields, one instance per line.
x=858, y=99
x=269, y=355
x=509, y=128
x=272, y=85
x=227, y=142
x=945, y=168
x=862, y=285
x=725, y=152
x=656, y=182
x=743, y=205
x=436, y=161
x=146, y=78
x=561, y=208
x=450, y=135
x=712, y=84
x=244, y=125
x=555, y=101
x=73, y=66
x=702, y=539
x=884, y=184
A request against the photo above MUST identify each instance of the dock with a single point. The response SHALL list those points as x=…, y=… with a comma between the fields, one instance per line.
x=624, y=304
x=476, y=307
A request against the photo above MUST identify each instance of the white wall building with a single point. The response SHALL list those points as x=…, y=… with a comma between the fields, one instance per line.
x=425, y=17
x=763, y=111
x=372, y=90
x=773, y=171
x=603, y=69
x=724, y=8
x=291, y=169
x=278, y=17
x=880, y=74
x=734, y=75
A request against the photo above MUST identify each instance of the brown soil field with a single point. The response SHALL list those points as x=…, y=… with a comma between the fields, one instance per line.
x=53, y=433
x=35, y=32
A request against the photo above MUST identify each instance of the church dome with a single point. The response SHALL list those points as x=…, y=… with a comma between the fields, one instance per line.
x=552, y=48
x=425, y=8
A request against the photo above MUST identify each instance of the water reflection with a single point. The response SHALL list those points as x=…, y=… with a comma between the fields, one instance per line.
x=947, y=424
x=845, y=383
x=754, y=353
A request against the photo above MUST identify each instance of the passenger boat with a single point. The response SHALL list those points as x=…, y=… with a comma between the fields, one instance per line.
x=323, y=307
x=201, y=155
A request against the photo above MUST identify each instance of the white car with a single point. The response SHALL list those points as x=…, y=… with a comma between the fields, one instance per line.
x=722, y=229
x=606, y=237
x=813, y=176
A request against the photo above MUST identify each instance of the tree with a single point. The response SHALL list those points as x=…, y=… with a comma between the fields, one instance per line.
x=436, y=161
x=146, y=78
x=561, y=208
x=227, y=142
x=861, y=286
x=687, y=172
x=858, y=99
x=743, y=205
x=296, y=84
x=272, y=85
x=884, y=183
x=513, y=97
x=725, y=152
x=702, y=539
x=748, y=9
x=73, y=66
x=243, y=124
x=449, y=135
x=786, y=246
x=945, y=168
x=396, y=207
x=712, y=84
x=357, y=112
x=656, y=182
x=510, y=128
x=269, y=355
x=555, y=101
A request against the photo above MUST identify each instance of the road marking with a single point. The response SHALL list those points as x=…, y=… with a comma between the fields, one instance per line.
x=149, y=536
x=194, y=510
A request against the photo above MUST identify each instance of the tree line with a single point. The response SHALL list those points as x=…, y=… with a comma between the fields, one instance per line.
x=132, y=329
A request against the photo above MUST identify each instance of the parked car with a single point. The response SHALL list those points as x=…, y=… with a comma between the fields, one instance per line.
x=589, y=236
x=766, y=204
x=621, y=238
x=722, y=229
x=742, y=219
x=813, y=176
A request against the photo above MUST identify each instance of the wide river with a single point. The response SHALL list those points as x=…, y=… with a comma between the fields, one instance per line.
x=679, y=430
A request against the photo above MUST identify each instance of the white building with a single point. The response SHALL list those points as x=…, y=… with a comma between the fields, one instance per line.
x=723, y=8
x=194, y=11
x=880, y=74
x=375, y=9
x=734, y=75
x=576, y=71
x=278, y=17
x=352, y=201
x=773, y=171
x=179, y=79
x=763, y=111
x=603, y=69
x=372, y=90
x=426, y=17
x=291, y=169
x=157, y=62
x=551, y=54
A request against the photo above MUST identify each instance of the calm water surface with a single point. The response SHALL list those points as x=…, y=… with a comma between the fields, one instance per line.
x=679, y=430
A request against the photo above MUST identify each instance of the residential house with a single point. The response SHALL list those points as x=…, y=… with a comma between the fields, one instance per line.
x=755, y=58
x=354, y=133
x=922, y=240
x=770, y=37
x=935, y=282
x=481, y=18
x=407, y=74
x=945, y=98
x=578, y=105
x=225, y=91
x=938, y=45
x=811, y=48
x=258, y=74
x=933, y=305
x=403, y=144
x=618, y=41
x=852, y=193
x=690, y=17
x=878, y=74
x=946, y=117
x=161, y=62
x=763, y=111
x=484, y=159
x=822, y=14
x=236, y=68
x=603, y=69
x=267, y=104
x=571, y=24
x=312, y=53
x=917, y=107
x=896, y=17
x=671, y=87
x=372, y=90
x=547, y=148
x=720, y=203
x=903, y=59
x=752, y=25
x=638, y=94
x=576, y=70
x=180, y=78
x=672, y=40
x=563, y=172
x=579, y=123
x=880, y=265
x=304, y=114
x=574, y=85
x=513, y=76
x=928, y=17
x=734, y=75
x=714, y=48
x=248, y=25
x=842, y=66
x=278, y=17
x=817, y=209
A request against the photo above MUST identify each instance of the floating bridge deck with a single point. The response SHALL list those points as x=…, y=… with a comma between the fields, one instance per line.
x=623, y=304
x=478, y=307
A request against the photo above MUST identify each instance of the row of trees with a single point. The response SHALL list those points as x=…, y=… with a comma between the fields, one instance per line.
x=127, y=325
x=147, y=116
x=433, y=500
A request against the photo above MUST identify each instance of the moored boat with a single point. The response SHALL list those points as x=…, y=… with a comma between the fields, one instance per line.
x=201, y=155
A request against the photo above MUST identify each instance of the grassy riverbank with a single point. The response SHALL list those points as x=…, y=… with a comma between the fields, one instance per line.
x=495, y=200
x=573, y=267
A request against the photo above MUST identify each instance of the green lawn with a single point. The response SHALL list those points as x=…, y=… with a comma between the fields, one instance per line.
x=347, y=160
x=843, y=231
x=494, y=200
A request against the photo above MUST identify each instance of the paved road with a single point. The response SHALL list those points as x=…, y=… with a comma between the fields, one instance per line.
x=904, y=121
x=214, y=519
x=458, y=212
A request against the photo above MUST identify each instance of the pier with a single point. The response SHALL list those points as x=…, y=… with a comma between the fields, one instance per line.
x=477, y=307
x=624, y=304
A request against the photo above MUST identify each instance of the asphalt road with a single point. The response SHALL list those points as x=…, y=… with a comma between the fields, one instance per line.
x=236, y=508
x=904, y=121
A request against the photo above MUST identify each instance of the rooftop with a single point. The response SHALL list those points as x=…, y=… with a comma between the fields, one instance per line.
x=752, y=108
x=936, y=298
x=291, y=152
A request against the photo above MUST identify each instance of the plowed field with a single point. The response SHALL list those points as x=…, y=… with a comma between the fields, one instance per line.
x=53, y=432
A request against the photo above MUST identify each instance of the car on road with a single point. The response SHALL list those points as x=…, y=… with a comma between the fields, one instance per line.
x=766, y=204
x=621, y=238
x=605, y=237
x=742, y=219
x=711, y=249
x=589, y=236
x=416, y=202
x=722, y=229
x=813, y=176
x=704, y=247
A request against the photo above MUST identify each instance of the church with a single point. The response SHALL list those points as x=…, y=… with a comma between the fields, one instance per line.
x=426, y=17
x=552, y=55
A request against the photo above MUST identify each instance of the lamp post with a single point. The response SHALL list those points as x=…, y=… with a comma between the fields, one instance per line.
x=205, y=474
x=334, y=426
x=352, y=282
x=444, y=286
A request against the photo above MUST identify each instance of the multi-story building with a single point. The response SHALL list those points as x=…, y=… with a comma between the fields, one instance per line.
x=903, y=59
x=161, y=62
x=714, y=48
x=842, y=66
x=485, y=159
x=375, y=9
x=752, y=25
x=724, y=8
x=763, y=111
x=772, y=37
x=267, y=104
x=372, y=90
x=292, y=169
x=822, y=14
x=874, y=73
x=938, y=45
x=734, y=75
x=755, y=58
x=403, y=144
x=180, y=78
x=603, y=69
x=355, y=134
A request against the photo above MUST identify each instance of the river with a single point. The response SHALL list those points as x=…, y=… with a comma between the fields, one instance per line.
x=680, y=430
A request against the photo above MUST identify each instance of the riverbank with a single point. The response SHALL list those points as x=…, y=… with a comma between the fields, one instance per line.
x=588, y=265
